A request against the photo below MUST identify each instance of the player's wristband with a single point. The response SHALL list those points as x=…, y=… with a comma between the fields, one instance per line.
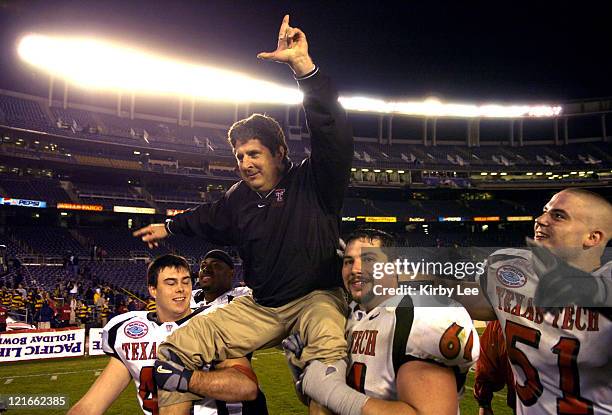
x=167, y=226
x=310, y=74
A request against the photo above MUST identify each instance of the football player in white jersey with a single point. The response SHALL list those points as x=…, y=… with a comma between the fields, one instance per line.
x=561, y=360
x=215, y=280
x=131, y=339
x=407, y=354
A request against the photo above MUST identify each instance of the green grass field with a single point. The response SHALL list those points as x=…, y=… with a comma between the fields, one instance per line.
x=73, y=377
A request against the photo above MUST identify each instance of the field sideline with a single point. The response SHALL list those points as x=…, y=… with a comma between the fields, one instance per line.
x=74, y=376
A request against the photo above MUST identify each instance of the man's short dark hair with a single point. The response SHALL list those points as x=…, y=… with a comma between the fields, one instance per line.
x=262, y=127
x=587, y=193
x=162, y=262
x=371, y=234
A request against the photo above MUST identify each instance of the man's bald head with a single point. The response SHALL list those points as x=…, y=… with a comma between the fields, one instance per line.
x=594, y=209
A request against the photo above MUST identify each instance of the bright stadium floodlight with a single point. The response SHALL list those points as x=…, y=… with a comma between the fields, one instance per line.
x=95, y=64
x=102, y=65
x=435, y=108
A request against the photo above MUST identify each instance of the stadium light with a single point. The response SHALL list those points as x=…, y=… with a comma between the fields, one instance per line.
x=102, y=65
x=529, y=174
x=435, y=108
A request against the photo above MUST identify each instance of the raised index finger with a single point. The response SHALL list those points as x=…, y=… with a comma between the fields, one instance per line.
x=284, y=26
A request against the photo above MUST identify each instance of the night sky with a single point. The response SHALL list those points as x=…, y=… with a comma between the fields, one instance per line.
x=470, y=50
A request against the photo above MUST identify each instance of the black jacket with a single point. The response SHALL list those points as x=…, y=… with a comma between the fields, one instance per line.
x=288, y=241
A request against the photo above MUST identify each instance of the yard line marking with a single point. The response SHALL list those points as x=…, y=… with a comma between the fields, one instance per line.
x=49, y=374
x=97, y=373
x=9, y=380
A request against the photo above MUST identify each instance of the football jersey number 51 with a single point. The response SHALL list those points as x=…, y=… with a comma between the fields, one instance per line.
x=569, y=381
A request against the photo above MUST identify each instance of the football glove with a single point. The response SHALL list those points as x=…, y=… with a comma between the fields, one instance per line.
x=171, y=374
x=560, y=284
x=293, y=347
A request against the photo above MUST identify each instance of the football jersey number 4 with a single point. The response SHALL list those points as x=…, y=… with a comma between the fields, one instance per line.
x=569, y=381
x=148, y=390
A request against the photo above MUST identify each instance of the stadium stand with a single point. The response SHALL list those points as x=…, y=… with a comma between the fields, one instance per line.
x=22, y=113
x=48, y=240
x=109, y=195
x=26, y=113
x=35, y=188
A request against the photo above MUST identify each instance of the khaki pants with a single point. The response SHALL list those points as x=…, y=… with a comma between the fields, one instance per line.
x=244, y=326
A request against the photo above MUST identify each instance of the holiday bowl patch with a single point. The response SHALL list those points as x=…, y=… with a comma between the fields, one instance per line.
x=511, y=277
x=136, y=329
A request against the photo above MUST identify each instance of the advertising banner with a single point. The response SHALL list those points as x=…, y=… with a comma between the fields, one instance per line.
x=23, y=202
x=77, y=206
x=95, y=342
x=132, y=209
x=41, y=344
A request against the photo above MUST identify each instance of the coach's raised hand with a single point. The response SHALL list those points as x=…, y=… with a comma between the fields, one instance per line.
x=292, y=49
x=152, y=234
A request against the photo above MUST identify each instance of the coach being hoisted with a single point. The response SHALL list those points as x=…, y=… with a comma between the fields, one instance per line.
x=284, y=219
